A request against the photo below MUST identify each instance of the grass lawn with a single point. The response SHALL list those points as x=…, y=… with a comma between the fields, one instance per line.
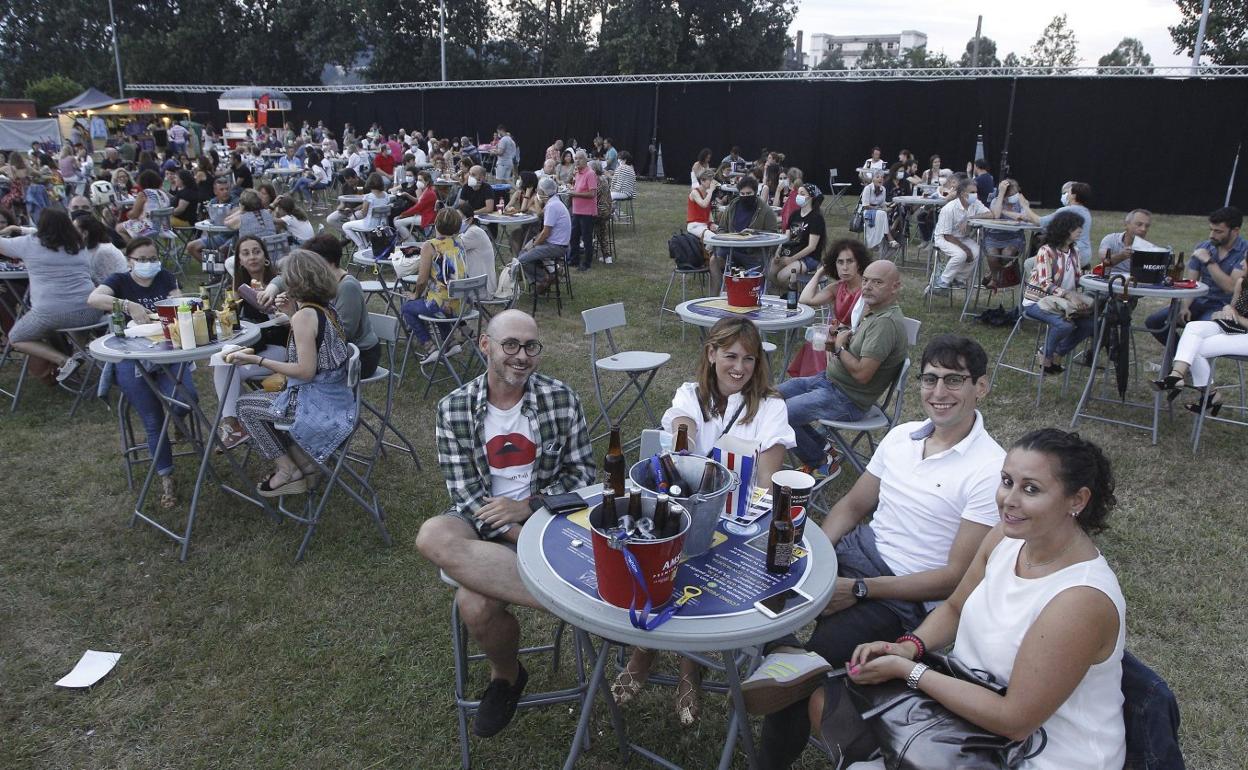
x=240, y=658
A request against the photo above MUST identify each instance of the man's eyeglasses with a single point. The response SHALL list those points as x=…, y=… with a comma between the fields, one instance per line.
x=928, y=381
x=512, y=346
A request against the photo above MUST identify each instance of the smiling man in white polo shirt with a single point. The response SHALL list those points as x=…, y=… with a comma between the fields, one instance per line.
x=930, y=490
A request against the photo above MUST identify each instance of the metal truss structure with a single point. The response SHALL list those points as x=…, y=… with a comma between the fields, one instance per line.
x=1205, y=71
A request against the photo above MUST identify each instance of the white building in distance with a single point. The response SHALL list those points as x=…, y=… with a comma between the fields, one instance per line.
x=852, y=47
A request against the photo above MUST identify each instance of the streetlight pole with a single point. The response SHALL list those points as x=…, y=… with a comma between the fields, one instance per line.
x=112, y=23
x=441, y=33
x=1200, y=37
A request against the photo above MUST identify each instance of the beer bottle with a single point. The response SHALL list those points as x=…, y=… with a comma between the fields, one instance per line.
x=673, y=523
x=670, y=475
x=610, y=518
x=118, y=320
x=613, y=465
x=707, y=484
x=780, y=538
x=634, y=503
x=682, y=439
x=662, y=509
x=203, y=295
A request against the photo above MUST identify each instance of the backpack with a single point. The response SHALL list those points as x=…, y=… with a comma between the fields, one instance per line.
x=686, y=249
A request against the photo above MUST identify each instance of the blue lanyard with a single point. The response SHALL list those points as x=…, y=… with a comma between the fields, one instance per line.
x=641, y=619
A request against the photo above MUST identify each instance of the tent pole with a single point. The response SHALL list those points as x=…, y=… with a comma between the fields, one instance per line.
x=112, y=23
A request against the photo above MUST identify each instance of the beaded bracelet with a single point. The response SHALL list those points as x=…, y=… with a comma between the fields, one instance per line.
x=916, y=641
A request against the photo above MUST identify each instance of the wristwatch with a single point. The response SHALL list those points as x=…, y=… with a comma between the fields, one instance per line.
x=860, y=590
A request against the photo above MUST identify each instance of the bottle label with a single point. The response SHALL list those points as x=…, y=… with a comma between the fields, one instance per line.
x=783, y=554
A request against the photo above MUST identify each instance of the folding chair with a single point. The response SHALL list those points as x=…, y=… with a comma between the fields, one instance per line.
x=134, y=453
x=1241, y=407
x=337, y=472
x=882, y=416
x=166, y=240
x=466, y=291
x=837, y=197
x=79, y=383
x=386, y=327
x=492, y=305
x=278, y=246
x=466, y=706
x=1033, y=368
x=702, y=274
x=378, y=286
x=640, y=366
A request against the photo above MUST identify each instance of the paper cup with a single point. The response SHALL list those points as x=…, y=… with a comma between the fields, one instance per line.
x=800, y=484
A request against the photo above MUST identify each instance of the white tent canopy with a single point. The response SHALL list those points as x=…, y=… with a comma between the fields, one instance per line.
x=18, y=134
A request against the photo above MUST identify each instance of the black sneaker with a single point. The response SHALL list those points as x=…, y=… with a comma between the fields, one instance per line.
x=498, y=705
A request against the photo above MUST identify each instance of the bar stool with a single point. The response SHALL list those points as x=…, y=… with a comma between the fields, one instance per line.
x=1033, y=368
x=702, y=274
x=79, y=382
x=622, y=211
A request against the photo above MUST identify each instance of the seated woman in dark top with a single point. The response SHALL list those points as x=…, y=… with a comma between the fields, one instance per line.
x=139, y=289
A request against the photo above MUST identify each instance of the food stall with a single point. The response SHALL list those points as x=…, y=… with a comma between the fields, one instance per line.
x=248, y=108
x=99, y=116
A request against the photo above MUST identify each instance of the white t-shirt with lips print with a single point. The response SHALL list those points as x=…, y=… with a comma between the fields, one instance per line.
x=510, y=450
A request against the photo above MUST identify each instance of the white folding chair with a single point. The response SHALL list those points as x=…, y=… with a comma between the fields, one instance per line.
x=882, y=415
x=386, y=327
x=1241, y=408
x=466, y=291
x=640, y=366
x=337, y=472
x=837, y=192
x=1032, y=367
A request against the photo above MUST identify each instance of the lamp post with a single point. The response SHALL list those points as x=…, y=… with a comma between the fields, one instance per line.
x=1200, y=37
x=441, y=34
x=112, y=23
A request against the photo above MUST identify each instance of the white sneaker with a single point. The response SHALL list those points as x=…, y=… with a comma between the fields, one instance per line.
x=609, y=260
x=69, y=367
x=782, y=679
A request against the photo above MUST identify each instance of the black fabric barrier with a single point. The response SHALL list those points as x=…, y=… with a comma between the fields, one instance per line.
x=1163, y=144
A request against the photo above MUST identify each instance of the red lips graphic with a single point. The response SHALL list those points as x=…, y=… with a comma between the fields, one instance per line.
x=508, y=450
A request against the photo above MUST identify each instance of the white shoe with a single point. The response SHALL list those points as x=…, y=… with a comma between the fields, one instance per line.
x=609, y=261
x=782, y=679
x=69, y=367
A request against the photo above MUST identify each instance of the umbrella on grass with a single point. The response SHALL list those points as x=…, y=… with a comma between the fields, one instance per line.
x=1118, y=332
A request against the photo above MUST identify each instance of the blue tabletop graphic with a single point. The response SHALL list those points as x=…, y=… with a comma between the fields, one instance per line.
x=732, y=574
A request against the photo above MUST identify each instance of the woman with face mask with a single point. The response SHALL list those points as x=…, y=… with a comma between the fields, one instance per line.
x=1001, y=246
x=139, y=289
x=808, y=234
x=789, y=181
x=415, y=220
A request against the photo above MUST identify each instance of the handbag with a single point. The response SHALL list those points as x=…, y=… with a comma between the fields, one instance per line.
x=858, y=223
x=916, y=732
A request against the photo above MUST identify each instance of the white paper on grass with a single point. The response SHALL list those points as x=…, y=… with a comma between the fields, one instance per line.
x=91, y=668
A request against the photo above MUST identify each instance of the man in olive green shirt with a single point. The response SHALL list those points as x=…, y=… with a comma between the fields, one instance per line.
x=861, y=365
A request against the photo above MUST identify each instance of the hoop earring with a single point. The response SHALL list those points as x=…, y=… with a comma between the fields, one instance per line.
x=267, y=262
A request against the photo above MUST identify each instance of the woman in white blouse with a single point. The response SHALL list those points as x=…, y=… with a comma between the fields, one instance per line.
x=732, y=396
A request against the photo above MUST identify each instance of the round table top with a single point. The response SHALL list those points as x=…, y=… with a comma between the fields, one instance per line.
x=687, y=634
x=1098, y=285
x=351, y=198
x=208, y=227
x=920, y=200
x=507, y=219
x=772, y=315
x=280, y=171
x=444, y=183
x=728, y=188
x=113, y=349
x=1011, y=225
x=754, y=241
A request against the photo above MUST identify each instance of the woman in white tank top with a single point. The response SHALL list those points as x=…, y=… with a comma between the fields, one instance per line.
x=1039, y=608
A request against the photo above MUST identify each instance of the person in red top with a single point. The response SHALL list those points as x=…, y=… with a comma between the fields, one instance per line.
x=384, y=163
x=698, y=206
x=584, y=211
x=421, y=212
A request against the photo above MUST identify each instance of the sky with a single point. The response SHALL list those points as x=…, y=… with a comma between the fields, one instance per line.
x=1098, y=24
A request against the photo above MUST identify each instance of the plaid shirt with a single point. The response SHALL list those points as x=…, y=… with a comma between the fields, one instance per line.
x=564, y=462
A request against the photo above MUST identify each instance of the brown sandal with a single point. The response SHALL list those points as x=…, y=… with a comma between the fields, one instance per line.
x=168, y=495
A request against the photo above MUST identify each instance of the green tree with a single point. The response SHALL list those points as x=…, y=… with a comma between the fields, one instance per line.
x=876, y=58
x=1128, y=53
x=1226, y=34
x=919, y=58
x=1057, y=46
x=41, y=39
x=832, y=60
x=48, y=92
x=987, y=53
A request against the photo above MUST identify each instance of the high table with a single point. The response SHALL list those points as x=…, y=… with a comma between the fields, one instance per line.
x=755, y=240
x=913, y=203
x=983, y=225
x=163, y=356
x=504, y=221
x=555, y=560
x=1095, y=284
x=283, y=175
x=14, y=304
x=772, y=315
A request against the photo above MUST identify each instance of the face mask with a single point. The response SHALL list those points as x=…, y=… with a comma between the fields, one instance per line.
x=409, y=179
x=801, y=200
x=749, y=202
x=1065, y=199
x=901, y=175
x=473, y=182
x=1013, y=198
x=146, y=270
x=420, y=184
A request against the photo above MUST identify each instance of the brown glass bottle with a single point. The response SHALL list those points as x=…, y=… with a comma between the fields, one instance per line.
x=613, y=465
x=681, y=445
x=609, y=518
x=671, y=476
x=707, y=484
x=780, y=538
x=662, y=509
